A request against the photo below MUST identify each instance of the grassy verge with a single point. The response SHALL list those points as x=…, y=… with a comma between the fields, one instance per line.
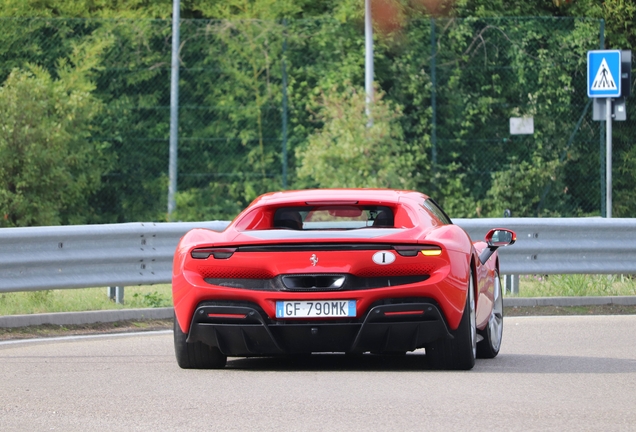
x=161, y=296
x=576, y=285
x=74, y=300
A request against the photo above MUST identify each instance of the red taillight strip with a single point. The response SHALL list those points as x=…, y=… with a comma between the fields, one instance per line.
x=413, y=312
x=226, y=315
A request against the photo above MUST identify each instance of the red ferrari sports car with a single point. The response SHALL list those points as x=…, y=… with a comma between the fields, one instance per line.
x=338, y=270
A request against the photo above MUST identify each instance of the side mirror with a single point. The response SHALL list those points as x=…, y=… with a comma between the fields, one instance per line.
x=499, y=237
x=495, y=239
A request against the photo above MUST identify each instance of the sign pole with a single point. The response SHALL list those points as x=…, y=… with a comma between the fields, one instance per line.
x=174, y=110
x=368, y=60
x=604, y=80
x=608, y=157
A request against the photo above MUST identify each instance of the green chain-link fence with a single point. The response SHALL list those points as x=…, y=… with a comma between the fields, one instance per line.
x=245, y=87
x=534, y=68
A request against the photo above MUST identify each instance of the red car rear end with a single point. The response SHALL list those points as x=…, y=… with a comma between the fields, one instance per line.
x=312, y=271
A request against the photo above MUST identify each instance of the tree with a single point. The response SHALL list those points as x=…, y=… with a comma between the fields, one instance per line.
x=459, y=150
x=48, y=164
x=346, y=152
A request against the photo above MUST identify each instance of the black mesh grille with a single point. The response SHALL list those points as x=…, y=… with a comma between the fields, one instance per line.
x=315, y=247
x=317, y=282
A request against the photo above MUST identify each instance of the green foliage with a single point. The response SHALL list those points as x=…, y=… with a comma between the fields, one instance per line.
x=86, y=299
x=152, y=299
x=248, y=9
x=579, y=285
x=500, y=8
x=494, y=69
x=488, y=69
x=87, y=8
x=620, y=16
x=625, y=197
x=453, y=194
x=212, y=202
x=521, y=188
x=402, y=70
x=229, y=123
x=346, y=152
x=133, y=83
x=39, y=298
x=48, y=163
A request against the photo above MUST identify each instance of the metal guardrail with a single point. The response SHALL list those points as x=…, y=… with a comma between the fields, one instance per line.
x=83, y=256
x=563, y=245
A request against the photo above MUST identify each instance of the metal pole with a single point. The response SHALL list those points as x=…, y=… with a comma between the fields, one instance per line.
x=368, y=45
x=116, y=294
x=601, y=153
x=174, y=109
x=608, y=156
x=433, y=96
x=284, y=119
x=602, y=168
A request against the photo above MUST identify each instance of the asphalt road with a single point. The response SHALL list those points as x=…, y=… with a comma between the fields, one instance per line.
x=553, y=373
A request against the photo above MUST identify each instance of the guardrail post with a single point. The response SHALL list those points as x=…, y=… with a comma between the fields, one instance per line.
x=511, y=284
x=116, y=293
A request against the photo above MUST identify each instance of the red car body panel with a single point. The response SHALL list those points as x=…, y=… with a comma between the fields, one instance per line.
x=414, y=224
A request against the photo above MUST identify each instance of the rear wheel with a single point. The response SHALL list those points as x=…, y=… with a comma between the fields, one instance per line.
x=458, y=352
x=489, y=346
x=195, y=355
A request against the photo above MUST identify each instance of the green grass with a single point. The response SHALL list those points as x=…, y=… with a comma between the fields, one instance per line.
x=576, y=285
x=70, y=300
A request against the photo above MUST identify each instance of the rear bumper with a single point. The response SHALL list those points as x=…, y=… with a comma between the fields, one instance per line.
x=244, y=330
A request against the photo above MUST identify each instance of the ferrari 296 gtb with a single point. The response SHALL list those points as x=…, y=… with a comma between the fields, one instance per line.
x=338, y=270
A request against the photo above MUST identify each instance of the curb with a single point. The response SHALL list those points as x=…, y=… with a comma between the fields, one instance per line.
x=92, y=317
x=568, y=301
x=89, y=317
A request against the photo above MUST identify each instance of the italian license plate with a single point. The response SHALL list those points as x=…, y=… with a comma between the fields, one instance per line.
x=315, y=309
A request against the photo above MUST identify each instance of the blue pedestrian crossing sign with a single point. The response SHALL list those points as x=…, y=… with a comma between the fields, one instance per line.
x=604, y=74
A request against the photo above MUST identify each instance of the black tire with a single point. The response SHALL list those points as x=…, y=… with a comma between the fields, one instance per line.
x=458, y=352
x=195, y=355
x=489, y=347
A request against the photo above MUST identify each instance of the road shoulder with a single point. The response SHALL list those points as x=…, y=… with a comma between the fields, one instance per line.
x=136, y=320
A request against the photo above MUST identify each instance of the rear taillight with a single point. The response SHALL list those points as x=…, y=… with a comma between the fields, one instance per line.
x=431, y=250
x=407, y=251
x=411, y=251
x=217, y=253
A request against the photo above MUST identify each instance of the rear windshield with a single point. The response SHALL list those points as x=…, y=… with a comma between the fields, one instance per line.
x=333, y=217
